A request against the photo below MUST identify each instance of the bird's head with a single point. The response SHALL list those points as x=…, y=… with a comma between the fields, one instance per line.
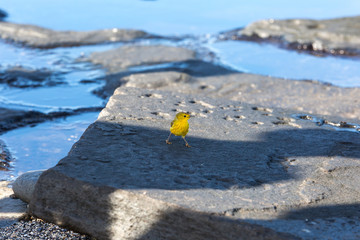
x=182, y=116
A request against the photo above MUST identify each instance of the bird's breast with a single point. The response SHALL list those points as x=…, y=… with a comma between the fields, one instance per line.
x=180, y=128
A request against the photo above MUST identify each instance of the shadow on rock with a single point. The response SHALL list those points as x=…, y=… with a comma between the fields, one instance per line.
x=192, y=68
x=124, y=181
x=328, y=211
x=185, y=224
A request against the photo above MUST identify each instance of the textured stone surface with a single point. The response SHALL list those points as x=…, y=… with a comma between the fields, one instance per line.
x=243, y=165
x=34, y=36
x=116, y=60
x=340, y=36
x=24, y=185
x=300, y=96
x=10, y=209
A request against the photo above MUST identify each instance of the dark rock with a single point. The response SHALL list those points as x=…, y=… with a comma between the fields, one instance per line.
x=23, y=77
x=38, y=37
x=11, y=119
x=5, y=157
x=3, y=14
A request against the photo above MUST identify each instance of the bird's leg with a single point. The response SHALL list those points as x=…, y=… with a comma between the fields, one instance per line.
x=167, y=140
x=186, y=143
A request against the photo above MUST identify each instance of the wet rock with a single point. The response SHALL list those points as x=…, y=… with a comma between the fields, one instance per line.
x=5, y=157
x=11, y=209
x=23, y=77
x=339, y=36
x=24, y=185
x=3, y=14
x=38, y=37
x=116, y=60
x=11, y=119
x=122, y=181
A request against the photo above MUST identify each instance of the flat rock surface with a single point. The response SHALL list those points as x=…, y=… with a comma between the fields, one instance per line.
x=246, y=162
x=38, y=37
x=339, y=36
x=10, y=209
x=116, y=60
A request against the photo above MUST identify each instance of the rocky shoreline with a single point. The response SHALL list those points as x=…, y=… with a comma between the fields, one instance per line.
x=338, y=37
x=257, y=167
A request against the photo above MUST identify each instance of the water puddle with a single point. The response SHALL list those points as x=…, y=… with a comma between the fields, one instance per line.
x=272, y=61
x=42, y=146
x=49, y=99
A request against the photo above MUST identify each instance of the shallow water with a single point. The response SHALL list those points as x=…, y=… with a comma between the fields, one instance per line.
x=197, y=22
x=266, y=59
x=42, y=146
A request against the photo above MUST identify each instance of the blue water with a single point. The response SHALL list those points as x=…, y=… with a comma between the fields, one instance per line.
x=42, y=146
x=168, y=17
x=198, y=22
x=270, y=60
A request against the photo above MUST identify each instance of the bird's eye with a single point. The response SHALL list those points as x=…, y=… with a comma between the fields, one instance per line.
x=184, y=116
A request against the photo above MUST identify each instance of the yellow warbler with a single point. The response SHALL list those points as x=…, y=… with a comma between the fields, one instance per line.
x=179, y=127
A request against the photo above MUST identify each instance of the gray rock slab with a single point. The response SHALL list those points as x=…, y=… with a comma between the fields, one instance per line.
x=38, y=37
x=121, y=181
x=10, y=209
x=339, y=36
x=116, y=60
x=24, y=185
x=301, y=96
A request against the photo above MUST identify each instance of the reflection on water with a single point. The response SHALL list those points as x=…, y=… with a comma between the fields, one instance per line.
x=42, y=146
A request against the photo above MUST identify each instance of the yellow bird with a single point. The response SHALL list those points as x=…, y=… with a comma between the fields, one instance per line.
x=179, y=127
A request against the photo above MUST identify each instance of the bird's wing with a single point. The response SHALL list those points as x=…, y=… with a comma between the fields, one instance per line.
x=172, y=123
